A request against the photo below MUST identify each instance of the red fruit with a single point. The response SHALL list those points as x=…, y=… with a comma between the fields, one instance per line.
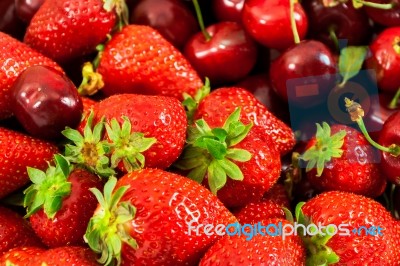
x=64, y=30
x=268, y=22
x=9, y=21
x=228, y=10
x=67, y=255
x=389, y=17
x=352, y=212
x=139, y=60
x=277, y=194
x=18, y=151
x=159, y=208
x=255, y=212
x=15, y=57
x=55, y=206
x=20, y=256
x=15, y=231
x=27, y=8
x=340, y=158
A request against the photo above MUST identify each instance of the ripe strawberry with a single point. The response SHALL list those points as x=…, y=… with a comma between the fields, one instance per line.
x=20, y=256
x=64, y=30
x=258, y=250
x=67, y=255
x=15, y=57
x=54, y=202
x=15, y=231
x=139, y=60
x=220, y=103
x=351, y=212
x=150, y=218
x=277, y=194
x=340, y=158
x=255, y=212
x=18, y=151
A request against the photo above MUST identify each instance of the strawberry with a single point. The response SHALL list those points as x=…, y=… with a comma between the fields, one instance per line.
x=354, y=213
x=340, y=158
x=64, y=30
x=220, y=103
x=257, y=249
x=15, y=231
x=234, y=150
x=67, y=255
x=54, y=200
x=255, y=212
x=277, y=194
x=139, y=60
x=15, y=57
x=17, y=151
x=20, y=256
x=149, y=218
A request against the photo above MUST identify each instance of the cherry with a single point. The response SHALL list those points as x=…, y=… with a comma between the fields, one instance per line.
x=227, y=54
x=228, y=10
x=45, y=102
x=339, y=22
x=269, y=22
x=304, y=74
x=171, y=18
x=385, y=59
x=27, y=8
x=389, y=17
x=9, y=21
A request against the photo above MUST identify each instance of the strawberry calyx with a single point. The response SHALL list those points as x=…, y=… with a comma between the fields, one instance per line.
x=89, y=150
x=92, y=81
x=211, y=152
x=126, y=146
x=326, y=147
x=48, y=188
x=191, y=103
x=106, y=232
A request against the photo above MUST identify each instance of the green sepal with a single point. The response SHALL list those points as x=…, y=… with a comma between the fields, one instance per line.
x=191, y=103
x=89, y=151
x=327, y=146
x=351, y=60
x=49, y=188
x=106, y=231
x=126, y=146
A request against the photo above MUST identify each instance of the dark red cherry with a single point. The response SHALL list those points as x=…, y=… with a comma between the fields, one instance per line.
x=27, y=8
x=268, y=22
x=45, y=102
x=341, y=22
x=9, y=21
x=389, y=18
x=228, y=10
x=170, y=17
x=228, y=56
x=304, y=74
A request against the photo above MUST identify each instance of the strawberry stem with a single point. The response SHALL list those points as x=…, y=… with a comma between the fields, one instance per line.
x=207, y=35
x=394, y=102
x=293, y=22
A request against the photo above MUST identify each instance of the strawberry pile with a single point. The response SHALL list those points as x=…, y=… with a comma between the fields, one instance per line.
x=171, y=132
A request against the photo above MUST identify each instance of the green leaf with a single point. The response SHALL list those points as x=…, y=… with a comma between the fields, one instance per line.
x=239, y=155
x=215, y=148
x=220, y=133
x=72, y=134
x=216, y=176
x=63, y=164
x=198, y=173
x=233, y=117
x=351, y=60
x=231, y=169
x=35, y=175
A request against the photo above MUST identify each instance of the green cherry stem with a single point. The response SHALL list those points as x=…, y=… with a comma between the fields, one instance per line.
x=207, y=36
x=334, y=38
x=375, y=5
x=356, y=114
x=394, y=102
x=293, y=22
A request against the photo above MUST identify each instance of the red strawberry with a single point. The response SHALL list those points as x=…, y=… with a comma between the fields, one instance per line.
x=64, y=30
x=255, y=212
x=257, y=250
x=219, y=104
x=20, y=256
x=139, y=60
x=340, y=158
x=278, y=195
x=15, y=231
x=354, y=213
x=152, y=214
x=18, y=151
x=15, y=57
x=67, y=255
x=60, y=204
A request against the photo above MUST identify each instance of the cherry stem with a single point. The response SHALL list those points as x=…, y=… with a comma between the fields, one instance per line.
x=375, y=5
x=395, y=100
x=207, y=36
x=333, y=37
x=293, y=22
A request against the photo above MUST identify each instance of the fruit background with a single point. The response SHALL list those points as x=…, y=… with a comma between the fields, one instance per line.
x=130, y=129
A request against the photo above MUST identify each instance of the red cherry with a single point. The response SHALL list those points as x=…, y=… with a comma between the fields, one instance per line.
x=45, y=102
x=268, y=22
x=9, y=21
x=27, y=8
x=228, y=56
x=389, y=17
x=228, y=10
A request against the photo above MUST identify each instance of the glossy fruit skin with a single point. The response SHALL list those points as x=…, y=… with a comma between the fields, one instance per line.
x=21, y=255
x=277, y=194
x=17, y=151
x=166, y=203
x=71, y=255
x=268, y=22
x=27, y=8
x=9, y=21
x=139, y=60
x=355, y=171
x=15, y=57
x=337, y=208
x=271, y=250
x=41, y=98
x=15, y=231
x=390, y=165
x=349, y=24
x=304, y=74
x=389, y=18
x=160, y=117
x=171, y=18
x=385, y=59
x=228, y=10
x=255, y=212
x=53, y=32
x=228, y=56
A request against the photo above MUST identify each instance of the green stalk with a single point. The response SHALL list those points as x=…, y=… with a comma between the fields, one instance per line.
x=395, y=100
x=333, y=37
x=207, y=36
x=376, y=5
x=293, y=23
